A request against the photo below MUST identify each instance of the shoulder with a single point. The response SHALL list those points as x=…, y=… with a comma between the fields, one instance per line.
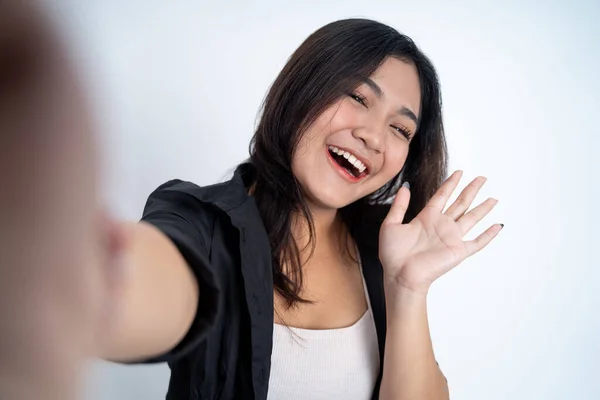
x=182, y=208
x=174, y=197
x=177, y=192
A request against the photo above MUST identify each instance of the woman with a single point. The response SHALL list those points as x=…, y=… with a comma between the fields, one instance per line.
x=306, y=275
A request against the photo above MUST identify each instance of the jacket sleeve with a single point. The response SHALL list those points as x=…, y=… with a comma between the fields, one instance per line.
x=187, y=222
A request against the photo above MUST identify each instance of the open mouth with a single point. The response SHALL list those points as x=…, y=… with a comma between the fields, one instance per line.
x=347, y=161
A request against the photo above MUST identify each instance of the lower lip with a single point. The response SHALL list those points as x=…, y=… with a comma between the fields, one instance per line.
x=343, y=171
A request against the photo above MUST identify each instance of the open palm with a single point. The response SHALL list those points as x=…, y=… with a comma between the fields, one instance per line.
x=414, y=255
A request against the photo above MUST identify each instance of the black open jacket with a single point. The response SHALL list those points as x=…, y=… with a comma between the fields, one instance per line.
x=227, y=352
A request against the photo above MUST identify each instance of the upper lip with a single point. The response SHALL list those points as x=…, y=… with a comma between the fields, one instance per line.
x=362, y=159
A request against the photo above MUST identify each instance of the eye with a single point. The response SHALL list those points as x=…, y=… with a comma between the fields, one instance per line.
x=403, y=131
x=359, y=98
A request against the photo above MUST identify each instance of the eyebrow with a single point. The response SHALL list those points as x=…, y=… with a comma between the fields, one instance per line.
x=404, y=111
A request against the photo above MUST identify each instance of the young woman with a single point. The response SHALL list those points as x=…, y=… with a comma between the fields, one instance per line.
x=306, y=275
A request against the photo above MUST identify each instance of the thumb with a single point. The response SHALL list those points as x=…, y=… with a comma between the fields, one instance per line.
x=399, y=205
x=114, y=272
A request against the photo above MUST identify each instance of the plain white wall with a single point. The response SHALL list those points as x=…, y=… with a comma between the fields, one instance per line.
x=177, y=85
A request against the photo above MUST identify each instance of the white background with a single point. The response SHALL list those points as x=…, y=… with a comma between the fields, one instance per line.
x=176, y=87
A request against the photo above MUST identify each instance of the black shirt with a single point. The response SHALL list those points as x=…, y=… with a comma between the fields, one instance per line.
x=227, y=352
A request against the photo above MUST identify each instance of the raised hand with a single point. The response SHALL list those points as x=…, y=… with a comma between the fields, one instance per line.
x=414, y=255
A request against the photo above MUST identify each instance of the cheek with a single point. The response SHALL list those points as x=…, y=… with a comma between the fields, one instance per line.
x=395, y=157
x=313, y=141
x=340, y=116
x=345, y=116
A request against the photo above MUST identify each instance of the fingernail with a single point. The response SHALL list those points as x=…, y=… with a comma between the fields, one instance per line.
x=502, y=225
x=406, y=185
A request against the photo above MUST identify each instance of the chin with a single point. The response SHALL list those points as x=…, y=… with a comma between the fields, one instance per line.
x=329, y=199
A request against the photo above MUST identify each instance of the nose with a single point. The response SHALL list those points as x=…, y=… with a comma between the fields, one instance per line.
x=373, y=139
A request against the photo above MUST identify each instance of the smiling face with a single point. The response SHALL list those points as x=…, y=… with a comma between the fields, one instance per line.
x=361, y=141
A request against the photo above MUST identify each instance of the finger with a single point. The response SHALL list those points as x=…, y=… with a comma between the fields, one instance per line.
x=466, y=197
x=113, y=267
x=470, y=219
x=399, y=206
x=441, y=196
x=112, y=234
x=473, y=246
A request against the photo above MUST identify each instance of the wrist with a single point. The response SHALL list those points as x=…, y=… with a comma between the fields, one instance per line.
x=401, y=285
x=402, y=297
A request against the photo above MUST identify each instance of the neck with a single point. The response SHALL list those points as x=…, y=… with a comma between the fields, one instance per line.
x=327, y=225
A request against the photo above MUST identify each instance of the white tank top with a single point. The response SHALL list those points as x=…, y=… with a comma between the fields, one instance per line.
x=328, y=364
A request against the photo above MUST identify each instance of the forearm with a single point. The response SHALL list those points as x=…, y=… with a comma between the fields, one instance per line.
x=410, y=371
x=40, y=357
x=48, y=381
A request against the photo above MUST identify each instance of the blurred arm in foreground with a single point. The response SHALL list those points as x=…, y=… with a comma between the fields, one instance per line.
x=58, y=275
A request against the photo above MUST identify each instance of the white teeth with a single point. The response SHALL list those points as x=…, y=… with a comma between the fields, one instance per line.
x=360, y=166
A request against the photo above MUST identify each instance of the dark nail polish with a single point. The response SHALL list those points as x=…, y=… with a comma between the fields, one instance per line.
x=502, y=225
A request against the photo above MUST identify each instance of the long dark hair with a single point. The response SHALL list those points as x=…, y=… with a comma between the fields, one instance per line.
x=328, y=65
